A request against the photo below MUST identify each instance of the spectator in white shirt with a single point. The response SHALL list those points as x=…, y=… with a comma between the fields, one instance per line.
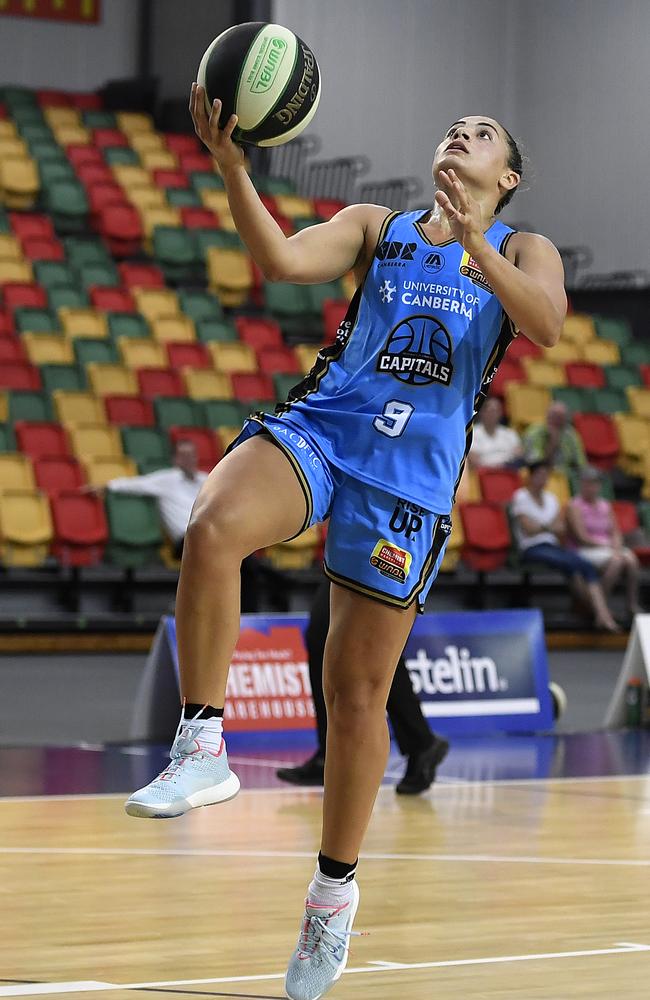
x=493, y=444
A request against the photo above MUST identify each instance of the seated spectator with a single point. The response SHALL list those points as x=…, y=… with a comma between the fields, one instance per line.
x=597, y=537
x=556, y=442
x=539, y=526
x=493, y=444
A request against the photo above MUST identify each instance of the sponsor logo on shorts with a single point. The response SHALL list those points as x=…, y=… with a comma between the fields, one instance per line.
x=391, y=561
x=407, y=518
x=392, y=253
x=472, y=270
x=299, y=443
x=433, y=262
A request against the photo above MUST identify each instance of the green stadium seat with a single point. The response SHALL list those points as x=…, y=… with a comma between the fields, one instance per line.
x=127, y=325
x=637, y=353
x=644, y=515
x=575, y=399
x=292, y=306
x=54, y=274
x=183, y=198
x=67, y=296
x=84, y=250
x=204, y=179
x=607, y=400
x=618, y=330
x=68, y=377
x=620, y=376
x=98, y=119
x=7, y=440
x=135, y=533
x=222, y=238
x=66, y=202
x=200, y=305
x=103, y=352
x=105, y=275
x=320, y=293
x=173, y=411
x=283, y=384
x=215, y=329
x=35, y=407
x=175, y=251
x=222, y=413
x=145, y=444
x=47, y=152
x=35, y=132
x=121, y=156
x=32, y=320
x=274, y=185
x=4, y=221
x=148, y=465
x=54, y=172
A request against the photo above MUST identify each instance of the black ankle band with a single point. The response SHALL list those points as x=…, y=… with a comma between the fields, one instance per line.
x=340, y=870
x=196, y=711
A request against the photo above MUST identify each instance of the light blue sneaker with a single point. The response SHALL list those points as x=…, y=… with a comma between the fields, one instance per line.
x=322, y=950
x=195, y=777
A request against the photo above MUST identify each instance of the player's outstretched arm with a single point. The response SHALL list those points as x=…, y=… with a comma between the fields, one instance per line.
x=321, y=253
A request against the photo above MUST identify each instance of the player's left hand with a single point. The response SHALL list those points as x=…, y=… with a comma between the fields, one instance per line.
x=463, y=212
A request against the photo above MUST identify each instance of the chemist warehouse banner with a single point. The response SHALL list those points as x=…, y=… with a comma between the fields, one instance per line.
x=474, y=672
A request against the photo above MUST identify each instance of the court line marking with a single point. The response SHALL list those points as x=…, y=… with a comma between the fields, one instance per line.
x=442, y=782
x=622, y=948
x=207, y=852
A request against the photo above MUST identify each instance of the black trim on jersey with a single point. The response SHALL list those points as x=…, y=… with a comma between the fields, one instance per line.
x=437, y=541
x=418, y=225
x=311, y=382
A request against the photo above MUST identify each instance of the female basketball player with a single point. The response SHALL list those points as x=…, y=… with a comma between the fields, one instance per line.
x=375, y=437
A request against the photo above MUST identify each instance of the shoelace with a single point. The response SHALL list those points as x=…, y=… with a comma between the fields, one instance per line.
x=181, y=750
x=316, y=932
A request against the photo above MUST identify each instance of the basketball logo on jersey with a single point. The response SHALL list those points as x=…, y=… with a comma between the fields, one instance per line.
x=391, y=561
x=418, y=352
x=472, y=270
x=392, y=253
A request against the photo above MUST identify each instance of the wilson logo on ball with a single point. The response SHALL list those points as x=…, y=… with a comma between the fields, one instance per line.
x=275, y=51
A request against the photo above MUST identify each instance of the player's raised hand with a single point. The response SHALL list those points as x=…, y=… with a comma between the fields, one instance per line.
x=462, y=210
x=218, y=140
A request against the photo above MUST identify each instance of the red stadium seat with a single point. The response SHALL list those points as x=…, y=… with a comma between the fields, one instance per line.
x=109, y=137
x=183, y=355
x=487, y=536
x=19, y=376
x=179, y=142
x=11, y=350
x=121, y=227
x=599, y=437
x=195, y=163
x=626, y=516
x=17, y=294
x=31, y=224
x=328, y=207
x=6, y=324
x=136, y=275
x=87, y=102
x=498, y=485
x=278, y=360
x=583, y=374
x=510, y=370
x=522, y=347
x=259, y=332
x=205, y=441
x=170, y=179
x=101, y=195
x=199, y=218
x=117, y=300
x=79, y=155
x=252, y=387
x=94, y=173
x=53, y=98
x=80, y=528
x=129, y=411
x=645, y=373
x=160, y=382
x=42, y=248
x=334, y=311
x=40, y=439
x=58, y=473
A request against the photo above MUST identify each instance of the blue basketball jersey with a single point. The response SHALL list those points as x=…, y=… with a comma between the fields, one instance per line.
x=393, y=400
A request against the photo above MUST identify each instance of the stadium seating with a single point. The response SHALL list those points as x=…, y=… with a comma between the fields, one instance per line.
x=487, y=535
x=80, y=528
x=25, y=527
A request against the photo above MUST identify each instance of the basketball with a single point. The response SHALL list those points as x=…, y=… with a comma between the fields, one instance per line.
x=265, y=75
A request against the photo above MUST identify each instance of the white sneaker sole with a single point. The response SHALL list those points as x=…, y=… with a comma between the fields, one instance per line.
x=341, y=968
x=211, y=796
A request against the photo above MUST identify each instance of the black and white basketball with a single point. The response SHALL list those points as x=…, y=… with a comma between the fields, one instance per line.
x=265, y=75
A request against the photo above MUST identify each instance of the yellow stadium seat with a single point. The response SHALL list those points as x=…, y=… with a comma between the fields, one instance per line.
x=15, y=270
x=101, y=469
x=112, y=380
x=16, y=472
x=564, y=350
x=19, y=183
x=526, y=404
x=25, y=528
x=579, y=328
x=147, y=198
x=95, y=441
x=156, y=302
x=174, y=328
x=48, y=349
x=202, y=383
x=217, y=201
x=634, y=439
x=61, y=116
x=469, y=488
x=13, y=148
x=81, y=322
x=602, y=352
x=130, y=176
x=137, y=352
x=298, y=553
x=72, y=135
x=78, y=407
x=544, y=373
x=230, y=275
x=4, y=407
x=233, y=357
x=152, y=217
x=455, y=544
x=146, y=141
x=8, y=130
x=132, y=122
x=639, y=401
x=10, y=248
x=226, y=435
x=159, y=159
x=295, y=207
x=306, y=354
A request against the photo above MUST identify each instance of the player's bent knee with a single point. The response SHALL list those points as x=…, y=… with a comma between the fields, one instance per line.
x=213, y=533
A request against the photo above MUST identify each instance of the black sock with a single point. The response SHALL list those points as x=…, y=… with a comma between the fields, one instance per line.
x=195, y=711
x=340, y=870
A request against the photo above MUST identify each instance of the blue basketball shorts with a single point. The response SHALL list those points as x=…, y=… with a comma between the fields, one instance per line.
x=378, y=544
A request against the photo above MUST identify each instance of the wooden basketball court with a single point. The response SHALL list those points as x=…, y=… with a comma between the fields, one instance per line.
x=535, y=890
